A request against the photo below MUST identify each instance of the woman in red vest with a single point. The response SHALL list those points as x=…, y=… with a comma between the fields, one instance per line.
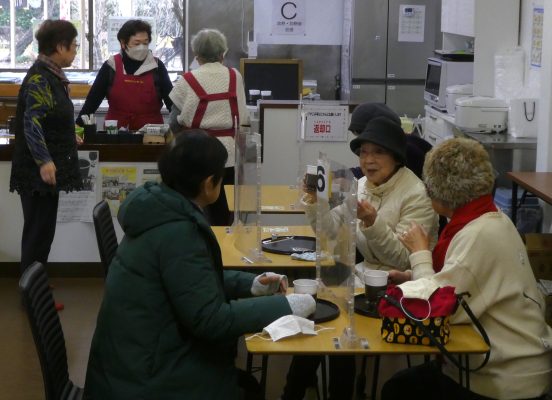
x=211, y=97
x=134, y=81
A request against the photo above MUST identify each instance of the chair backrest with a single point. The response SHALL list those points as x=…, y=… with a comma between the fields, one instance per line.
x=47, y=333
x=105, y=233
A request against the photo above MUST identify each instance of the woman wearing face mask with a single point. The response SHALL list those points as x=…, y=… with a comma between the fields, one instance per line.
x=134, y=81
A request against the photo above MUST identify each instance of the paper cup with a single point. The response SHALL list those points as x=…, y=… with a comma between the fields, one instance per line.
x=305, y=286
x=375, y=282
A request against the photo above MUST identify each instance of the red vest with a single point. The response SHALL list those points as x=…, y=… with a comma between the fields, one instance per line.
x=133, y=99
x=205, y=98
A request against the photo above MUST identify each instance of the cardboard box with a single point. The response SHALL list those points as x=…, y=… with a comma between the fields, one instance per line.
x=539, y=250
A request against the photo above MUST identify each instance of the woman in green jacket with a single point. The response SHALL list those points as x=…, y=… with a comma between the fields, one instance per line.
x=169, y=322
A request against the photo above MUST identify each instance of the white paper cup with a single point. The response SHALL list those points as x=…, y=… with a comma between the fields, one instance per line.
x=375, y=281
x=305, y=286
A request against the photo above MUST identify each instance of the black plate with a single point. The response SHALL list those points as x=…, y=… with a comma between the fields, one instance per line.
x=325, y=311
x=365, y=307
x=288, y=244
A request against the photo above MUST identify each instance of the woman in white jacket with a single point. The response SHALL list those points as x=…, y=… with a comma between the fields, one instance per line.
x=480, y=252
x=390, y=197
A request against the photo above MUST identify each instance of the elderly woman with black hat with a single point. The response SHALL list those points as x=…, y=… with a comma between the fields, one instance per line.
x=390, y=198
x=480, y=252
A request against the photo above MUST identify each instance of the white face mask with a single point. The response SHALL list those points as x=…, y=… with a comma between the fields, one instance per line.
x=289, y=325
x=418, y=289
x=138, y=53
x=194, y=64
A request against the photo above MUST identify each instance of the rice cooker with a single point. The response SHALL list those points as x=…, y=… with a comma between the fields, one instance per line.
x=455, y=92
x=481, y=114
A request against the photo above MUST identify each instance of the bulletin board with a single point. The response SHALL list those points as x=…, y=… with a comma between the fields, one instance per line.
x=305, y=22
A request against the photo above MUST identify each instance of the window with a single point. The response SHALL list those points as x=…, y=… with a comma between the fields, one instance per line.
x=19, y=20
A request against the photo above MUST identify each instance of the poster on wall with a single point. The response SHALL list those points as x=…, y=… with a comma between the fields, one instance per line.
x=78, y=206
x=117, y=183
x=411, y=23
x=536, y=40
x=288, y=17
x=302, y=22
x=150, y=175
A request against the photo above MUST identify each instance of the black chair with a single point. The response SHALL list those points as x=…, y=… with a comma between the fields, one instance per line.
x=48, y=334
x=105, y=233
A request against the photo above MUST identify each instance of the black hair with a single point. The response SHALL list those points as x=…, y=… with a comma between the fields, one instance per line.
x=52, y=33
x=131, y=28
x=189, y=159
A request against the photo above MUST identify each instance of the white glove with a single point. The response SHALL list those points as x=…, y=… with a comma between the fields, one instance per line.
x=269, y=283
x=301, y=305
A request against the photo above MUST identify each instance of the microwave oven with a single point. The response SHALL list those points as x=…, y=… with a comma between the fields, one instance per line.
x=441, y=74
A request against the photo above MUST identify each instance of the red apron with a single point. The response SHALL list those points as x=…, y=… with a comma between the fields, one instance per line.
x=133, y=99
x=205, y=98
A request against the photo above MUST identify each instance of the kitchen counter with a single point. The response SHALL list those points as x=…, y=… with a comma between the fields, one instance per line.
x=108, y=152
x=503, y=141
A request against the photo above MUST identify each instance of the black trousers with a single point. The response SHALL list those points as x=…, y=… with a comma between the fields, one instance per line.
x=218, y=213
x=39, y=227
x=302, y=374
x=427, y=382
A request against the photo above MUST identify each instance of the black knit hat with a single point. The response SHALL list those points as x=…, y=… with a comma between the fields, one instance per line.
x=364, y=113
x=385, y=133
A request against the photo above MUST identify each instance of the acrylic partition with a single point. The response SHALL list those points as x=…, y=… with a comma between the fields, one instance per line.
x=247, y=195
x=335, y=239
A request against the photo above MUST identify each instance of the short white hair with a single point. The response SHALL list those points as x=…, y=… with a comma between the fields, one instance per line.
x=209, y=45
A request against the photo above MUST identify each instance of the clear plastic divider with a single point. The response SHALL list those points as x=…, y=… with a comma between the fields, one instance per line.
x=336, y=220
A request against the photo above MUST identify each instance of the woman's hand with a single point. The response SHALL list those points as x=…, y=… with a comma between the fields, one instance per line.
x=310, y=195
x=268, y=284
x=415, y=239
x=271, y=279
x=48, y=173
x=366, y=213
x=79, y=139
x=397, y=277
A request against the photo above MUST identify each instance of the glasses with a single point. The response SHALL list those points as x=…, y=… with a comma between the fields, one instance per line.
x=75, y=45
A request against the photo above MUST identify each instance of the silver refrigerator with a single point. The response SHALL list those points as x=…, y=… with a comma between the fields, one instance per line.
x=388, y=59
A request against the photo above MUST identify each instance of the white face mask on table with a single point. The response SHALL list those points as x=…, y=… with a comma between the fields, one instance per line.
x=138, y=53
x=288, y=325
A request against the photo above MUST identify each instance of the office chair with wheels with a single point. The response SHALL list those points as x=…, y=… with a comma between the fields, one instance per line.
x=105, y=233
x=48, y=334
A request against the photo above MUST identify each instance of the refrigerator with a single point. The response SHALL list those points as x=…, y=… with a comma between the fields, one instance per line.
x=390, y=44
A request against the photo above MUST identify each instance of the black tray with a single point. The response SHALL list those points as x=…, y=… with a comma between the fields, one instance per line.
x=366, y=308
x=288, y=244
x=325, y=311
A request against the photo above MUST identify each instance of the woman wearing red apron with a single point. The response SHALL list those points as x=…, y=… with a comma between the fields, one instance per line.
x=211, y=97
x=134, y=81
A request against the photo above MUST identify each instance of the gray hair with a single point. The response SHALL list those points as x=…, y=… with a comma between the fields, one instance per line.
x=458, y=171
x=209, y=45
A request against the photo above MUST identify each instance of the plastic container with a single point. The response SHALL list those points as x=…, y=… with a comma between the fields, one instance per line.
x=529, y=214
x=266, y=94
x=254, y=95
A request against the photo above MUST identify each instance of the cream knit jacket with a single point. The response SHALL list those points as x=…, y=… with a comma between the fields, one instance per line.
x=487, y=258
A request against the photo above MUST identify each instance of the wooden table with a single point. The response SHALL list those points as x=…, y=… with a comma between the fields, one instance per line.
x=464, y=340
x=538, y=183
x=233, y=258
x=275, y=199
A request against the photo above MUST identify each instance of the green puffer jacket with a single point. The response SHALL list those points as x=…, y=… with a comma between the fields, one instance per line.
x=169, y=322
